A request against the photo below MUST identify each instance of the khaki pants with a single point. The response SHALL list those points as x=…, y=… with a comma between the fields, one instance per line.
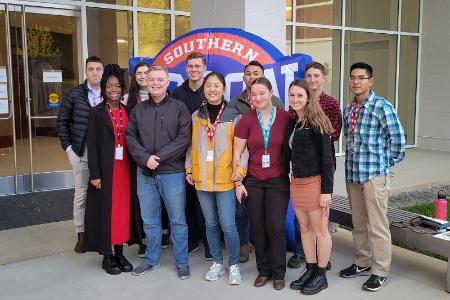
x=81, y=178
x=371, y=234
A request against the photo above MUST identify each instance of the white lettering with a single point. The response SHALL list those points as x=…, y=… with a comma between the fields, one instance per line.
x=251, y=54
x=232, y=77
x=177, y=51
x=168, y=58
x=186, y=49
x=176, y=78
x=215, y=43
x=288, y=71
x=270, y=74
x=237, y=49
x=226, y=45
x=201, y=43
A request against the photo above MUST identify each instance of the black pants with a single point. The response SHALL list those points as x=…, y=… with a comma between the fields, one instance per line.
x=267, y=207
x=194, y=218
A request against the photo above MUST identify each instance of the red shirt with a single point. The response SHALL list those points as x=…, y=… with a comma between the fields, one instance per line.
x=249, y=128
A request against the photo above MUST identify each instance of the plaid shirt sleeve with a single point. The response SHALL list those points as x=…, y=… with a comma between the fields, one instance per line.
x=332, y=110
x=395, y=134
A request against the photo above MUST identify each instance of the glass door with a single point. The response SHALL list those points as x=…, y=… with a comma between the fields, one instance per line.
x=43, y=46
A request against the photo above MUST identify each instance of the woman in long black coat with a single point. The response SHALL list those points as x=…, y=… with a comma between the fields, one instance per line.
x=105, y=133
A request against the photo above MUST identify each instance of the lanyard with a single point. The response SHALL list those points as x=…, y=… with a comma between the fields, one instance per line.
x=354, y=114
x=94, y=100
x=211, y=131
x=118, y=125
x=266, y=131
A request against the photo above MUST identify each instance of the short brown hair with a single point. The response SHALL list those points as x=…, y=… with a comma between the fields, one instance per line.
x=318, y=66
x=93, y=58
x=194, y=55
x=158, y=68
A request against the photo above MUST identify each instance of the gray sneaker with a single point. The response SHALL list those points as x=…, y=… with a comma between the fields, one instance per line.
x=183, y=273
x=144, y=268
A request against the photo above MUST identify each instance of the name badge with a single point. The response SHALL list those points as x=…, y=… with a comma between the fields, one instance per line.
x=266, y=161
x=210, y=156
x=119, y=153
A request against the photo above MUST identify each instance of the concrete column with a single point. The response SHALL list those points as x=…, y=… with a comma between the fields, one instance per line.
x=265, y=18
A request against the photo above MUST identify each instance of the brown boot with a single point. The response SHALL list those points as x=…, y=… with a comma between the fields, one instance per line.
x=244, y=253
x=79, y=247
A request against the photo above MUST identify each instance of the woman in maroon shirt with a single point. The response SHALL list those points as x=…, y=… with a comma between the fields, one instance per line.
x=266, y=184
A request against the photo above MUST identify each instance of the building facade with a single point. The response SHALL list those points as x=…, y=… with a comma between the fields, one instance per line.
x=43, y=45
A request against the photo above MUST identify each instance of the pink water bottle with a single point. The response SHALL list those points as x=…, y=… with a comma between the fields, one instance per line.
x=440, y=209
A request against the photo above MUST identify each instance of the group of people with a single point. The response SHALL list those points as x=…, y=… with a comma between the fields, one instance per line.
x=219, y=169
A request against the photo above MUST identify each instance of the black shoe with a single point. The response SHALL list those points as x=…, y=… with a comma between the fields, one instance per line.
x=328, y=266
x=303, y=280
x=192, y=248
x=123, y=263
x=354, y=271
x=110, y=265
x=315, y=285
x=165, y=243
x=141, y=250
x=374, y=283
x=208, y=255
x=295, y=261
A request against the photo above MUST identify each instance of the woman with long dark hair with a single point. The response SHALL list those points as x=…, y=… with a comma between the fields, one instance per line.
x=110, y=218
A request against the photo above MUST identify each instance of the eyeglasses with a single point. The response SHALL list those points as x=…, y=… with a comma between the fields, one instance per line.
x=359, y=78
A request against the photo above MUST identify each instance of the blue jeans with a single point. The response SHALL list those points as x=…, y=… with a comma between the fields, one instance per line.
x=242, y=222
x=220, y=208
x=171, y=189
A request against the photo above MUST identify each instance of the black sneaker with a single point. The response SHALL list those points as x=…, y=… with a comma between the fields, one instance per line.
x=374, y=283
x=295, y=261
x=315, y=285
x=328, y=266
x=165, y=243
x=141, y=250
x=354, y=271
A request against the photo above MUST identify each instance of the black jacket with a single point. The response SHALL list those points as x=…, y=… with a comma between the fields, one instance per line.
x=310, y=154
x=100, y=140
x=73, y=118
x=193, y=100
x=163, y=130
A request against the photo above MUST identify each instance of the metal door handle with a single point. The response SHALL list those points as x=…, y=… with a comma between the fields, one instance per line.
x=9, y=109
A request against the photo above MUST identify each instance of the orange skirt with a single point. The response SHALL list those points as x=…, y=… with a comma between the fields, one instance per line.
x=305, y=193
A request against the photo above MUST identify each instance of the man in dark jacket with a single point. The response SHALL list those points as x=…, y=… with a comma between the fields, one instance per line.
x=252, y=71
x=158, y=134
x=191, y=93
x=72, y=127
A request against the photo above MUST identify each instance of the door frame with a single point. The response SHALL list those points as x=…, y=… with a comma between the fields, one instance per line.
x=25, y=183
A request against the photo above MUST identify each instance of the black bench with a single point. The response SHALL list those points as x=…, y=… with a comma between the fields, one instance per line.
x=340, y=213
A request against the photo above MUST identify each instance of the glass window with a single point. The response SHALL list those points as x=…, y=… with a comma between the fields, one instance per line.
x=154, y=33
x=182, y=25
x=110, y=35
x=324, y=46
x=380, y=14
x=162, y=4
x=410, y=15
x=408, y=85
x=289, y=10
x=118, y=2
x=183, y=5
x=379, y=51
x=288, y=40
x=319, y=12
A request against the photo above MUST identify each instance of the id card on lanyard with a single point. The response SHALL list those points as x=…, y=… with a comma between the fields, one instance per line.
x=118, y=149
x=354, y=115
x=265, y=159
x=211, y=131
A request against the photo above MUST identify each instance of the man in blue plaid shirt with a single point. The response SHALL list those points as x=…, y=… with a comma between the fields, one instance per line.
x=375, y=142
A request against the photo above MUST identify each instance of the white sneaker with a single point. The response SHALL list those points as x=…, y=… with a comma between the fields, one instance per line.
x=235, y=275
x=214, y=272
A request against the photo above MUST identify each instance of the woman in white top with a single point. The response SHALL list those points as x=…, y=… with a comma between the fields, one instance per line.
x=138, y=91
